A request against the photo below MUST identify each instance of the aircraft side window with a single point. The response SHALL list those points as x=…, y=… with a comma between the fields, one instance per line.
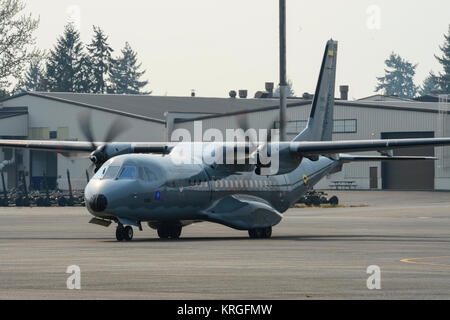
x=142, y=174
x=128, y=172
x=150, y=174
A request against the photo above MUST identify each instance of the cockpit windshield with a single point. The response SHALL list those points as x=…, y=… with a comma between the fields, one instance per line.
x=126, y=172
x=106, y=173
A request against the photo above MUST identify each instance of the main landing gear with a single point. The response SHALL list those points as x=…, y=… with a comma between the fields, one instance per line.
x=124, y=233
x=260, y=233
x=169, y=231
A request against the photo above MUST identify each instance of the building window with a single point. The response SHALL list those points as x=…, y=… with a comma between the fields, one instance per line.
x=53, y=135
x=39, y=133
x=345, y=126
x=340, y=126
x=293, y=127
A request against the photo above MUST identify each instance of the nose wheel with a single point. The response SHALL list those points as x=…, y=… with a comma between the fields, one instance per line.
x=124, y=233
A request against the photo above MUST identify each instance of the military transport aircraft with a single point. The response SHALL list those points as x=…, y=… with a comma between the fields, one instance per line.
x=144, y=182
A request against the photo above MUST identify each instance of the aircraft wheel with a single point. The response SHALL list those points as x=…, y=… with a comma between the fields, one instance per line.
x=172, y=232
x=175, y=232
x=260, y=233
x=120, y=233
x=163, y=232
x=267, y=233
x=128, y=233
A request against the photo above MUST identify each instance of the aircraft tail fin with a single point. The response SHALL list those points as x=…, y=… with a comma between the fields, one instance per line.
x=320, y=124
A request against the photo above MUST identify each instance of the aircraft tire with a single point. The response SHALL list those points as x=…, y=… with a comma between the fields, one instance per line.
x=260, y=233
x=120, y=233
x=175, y=232
x=128, y=233
x=267, y=233
x=163, y=232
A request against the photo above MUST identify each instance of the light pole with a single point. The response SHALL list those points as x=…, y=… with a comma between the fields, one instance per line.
x=283, y=81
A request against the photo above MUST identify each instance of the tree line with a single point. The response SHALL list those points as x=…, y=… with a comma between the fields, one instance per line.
x=70, y=66
x=398, y=79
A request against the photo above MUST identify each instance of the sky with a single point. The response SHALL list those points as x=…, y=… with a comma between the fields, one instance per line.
x=214, y=46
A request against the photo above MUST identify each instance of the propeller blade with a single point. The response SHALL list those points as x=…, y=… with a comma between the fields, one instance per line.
x=119, y=126
x=85, y=124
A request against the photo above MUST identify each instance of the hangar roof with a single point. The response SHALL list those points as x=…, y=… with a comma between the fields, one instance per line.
x=153, y=108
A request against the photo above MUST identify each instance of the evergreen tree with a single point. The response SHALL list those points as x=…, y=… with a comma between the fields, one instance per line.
x=67, y=66
x=124, y=74
x=100, y=60
x=34, y=79
x=443, y=79
x=398, y=78
x=429, y=85
x=290, y=92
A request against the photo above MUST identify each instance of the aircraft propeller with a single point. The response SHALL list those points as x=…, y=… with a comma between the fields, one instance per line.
x=99, y=156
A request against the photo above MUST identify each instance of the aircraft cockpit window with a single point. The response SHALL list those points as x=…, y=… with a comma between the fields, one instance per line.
x=151, y=175
x=111, y=172
x=146, y=174
x=100, y=173
x=128, y=172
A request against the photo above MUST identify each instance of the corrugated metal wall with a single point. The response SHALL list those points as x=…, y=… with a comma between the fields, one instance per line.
x=371, y=122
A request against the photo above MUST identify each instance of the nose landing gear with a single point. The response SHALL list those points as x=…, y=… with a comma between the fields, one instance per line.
x=124, y=233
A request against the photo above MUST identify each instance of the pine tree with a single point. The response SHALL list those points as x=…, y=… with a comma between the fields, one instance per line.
x=100, y=60
x=67, y=69
x=398, y=78
x=429, y=85
x=443, y=79
x=34, y=79
x=124, y=74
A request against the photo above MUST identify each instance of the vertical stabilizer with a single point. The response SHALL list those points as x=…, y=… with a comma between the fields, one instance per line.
x=320, y=124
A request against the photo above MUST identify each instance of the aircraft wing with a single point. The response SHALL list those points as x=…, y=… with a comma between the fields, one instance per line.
x=82, y=146
x=333, y=147
x=358, y=158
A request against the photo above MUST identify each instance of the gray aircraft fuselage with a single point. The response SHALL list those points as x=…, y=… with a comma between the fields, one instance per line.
x=158, y=190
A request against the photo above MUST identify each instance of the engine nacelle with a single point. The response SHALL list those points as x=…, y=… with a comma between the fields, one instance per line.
x=108, y=151
x=277, y=160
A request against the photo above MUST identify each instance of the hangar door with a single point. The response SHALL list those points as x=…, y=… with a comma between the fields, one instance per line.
x=418, y=175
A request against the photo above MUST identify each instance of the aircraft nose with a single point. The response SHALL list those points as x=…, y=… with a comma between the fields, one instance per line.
x=98, y=203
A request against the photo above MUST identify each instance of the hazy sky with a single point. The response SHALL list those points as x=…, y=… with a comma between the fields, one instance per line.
x=215, y=46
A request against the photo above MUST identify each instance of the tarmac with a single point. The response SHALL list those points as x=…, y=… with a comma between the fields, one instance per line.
x=314, y=254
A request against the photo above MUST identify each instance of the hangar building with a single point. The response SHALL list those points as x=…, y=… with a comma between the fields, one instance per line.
x=54, y=116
